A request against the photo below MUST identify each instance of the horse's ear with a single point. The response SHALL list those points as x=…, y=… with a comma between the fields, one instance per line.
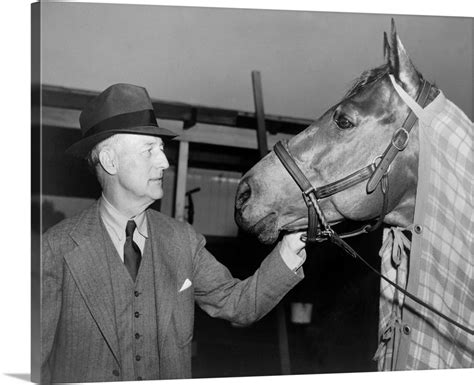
x=386, y=48
x=400, y=64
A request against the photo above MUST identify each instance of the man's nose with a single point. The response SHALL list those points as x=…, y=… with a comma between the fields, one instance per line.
x=161, y=160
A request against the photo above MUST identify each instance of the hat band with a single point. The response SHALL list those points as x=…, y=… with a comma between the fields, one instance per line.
x=124, y=121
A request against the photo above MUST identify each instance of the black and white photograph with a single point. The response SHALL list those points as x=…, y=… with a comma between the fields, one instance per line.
x=226, y=193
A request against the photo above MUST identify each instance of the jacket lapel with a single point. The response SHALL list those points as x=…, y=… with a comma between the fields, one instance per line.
x=88, y=265
x=166, y=268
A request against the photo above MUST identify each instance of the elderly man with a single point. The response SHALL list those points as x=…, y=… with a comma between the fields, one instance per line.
x=119, y=281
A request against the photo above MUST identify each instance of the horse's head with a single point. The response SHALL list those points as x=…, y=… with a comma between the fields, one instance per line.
x=348, y=137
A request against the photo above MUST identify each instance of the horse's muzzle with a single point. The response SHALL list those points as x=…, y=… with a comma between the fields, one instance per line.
x=242, y=195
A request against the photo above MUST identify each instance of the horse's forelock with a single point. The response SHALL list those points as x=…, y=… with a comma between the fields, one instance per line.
x=366, y=78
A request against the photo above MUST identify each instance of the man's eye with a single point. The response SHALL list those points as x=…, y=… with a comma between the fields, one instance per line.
x=343, y=123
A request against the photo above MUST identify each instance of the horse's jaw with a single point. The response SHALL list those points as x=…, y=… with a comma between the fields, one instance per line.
x=265, y=229
x=268, y=229
x=402, y=215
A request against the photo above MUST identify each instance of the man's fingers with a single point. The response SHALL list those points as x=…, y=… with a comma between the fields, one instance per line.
x=294, y=241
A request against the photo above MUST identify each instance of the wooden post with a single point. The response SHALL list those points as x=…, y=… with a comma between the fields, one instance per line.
x=259, y=111
x=181, y=174
x=285, y=364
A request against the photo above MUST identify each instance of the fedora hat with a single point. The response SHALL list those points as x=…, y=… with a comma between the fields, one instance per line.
x=120, y=109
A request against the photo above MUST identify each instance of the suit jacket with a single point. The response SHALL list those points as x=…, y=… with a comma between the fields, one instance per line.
x=79, y=337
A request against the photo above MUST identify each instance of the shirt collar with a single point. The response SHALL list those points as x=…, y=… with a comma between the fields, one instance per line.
x=117, y=222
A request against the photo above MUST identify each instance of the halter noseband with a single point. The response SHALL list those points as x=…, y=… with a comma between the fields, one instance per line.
x=318, y=227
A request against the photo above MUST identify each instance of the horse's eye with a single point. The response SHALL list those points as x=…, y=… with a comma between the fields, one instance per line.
x=343, y=123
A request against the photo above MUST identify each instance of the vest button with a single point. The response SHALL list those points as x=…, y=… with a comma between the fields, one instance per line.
x=137, y=357
x=115, y=372
x=137, y=314
x=137, y=293
x=137, y=336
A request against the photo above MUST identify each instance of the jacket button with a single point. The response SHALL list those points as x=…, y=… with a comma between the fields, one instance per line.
x=139, y=378
x=137, y=357
x=137, y=314
x=137, y=293
x=418, y=229
x=115, y=372
x=137, y=336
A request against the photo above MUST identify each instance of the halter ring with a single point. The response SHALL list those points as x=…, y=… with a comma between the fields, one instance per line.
x=374, y=162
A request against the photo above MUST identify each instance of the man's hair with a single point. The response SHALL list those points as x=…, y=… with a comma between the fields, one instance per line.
x=92, y=157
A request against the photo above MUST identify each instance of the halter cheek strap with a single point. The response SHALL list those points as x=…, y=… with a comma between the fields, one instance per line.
x=402, y=135
x=305, y=186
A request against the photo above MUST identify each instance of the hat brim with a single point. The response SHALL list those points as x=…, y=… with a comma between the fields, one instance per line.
x=82, y=148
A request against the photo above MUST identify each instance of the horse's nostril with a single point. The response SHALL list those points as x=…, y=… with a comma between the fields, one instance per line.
x=243, y=194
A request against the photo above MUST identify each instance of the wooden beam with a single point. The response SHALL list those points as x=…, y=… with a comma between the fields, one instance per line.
x=76, y=99
x=201, y=133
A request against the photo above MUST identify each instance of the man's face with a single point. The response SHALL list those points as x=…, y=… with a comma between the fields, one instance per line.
x=140, y=165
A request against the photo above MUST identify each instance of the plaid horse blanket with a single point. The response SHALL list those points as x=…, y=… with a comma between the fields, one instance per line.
x=437, y=265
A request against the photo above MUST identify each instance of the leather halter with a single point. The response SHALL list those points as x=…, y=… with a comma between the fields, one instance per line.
x=376, y=173
x=399, y=139
x=312, y=195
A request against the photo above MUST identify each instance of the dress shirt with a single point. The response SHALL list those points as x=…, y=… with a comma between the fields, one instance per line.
x=115, y=224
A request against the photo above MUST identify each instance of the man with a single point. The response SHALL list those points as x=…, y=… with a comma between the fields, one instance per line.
x=119, y=281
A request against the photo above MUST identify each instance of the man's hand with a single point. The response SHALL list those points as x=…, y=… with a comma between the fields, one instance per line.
x=292, y=250
x=293, y=242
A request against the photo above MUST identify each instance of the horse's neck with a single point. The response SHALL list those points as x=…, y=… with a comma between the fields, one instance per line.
x=403, y=213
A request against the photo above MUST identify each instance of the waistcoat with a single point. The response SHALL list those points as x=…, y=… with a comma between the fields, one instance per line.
x=135, y=315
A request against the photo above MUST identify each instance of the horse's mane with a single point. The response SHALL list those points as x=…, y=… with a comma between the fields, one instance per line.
x=375, y=74
x=367, y=77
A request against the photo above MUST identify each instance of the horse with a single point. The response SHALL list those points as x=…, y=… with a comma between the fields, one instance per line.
x=368, y=156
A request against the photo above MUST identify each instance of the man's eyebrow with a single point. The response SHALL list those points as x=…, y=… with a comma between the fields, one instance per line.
x=150, y=143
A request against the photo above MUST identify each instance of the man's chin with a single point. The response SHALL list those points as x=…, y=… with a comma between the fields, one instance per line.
x=156, y=193
x=155, y=197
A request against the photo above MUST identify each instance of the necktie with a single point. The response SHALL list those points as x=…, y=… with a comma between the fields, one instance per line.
x=131, y=251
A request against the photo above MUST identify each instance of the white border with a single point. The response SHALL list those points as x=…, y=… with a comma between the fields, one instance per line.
x=15, y=181
x=461, y=8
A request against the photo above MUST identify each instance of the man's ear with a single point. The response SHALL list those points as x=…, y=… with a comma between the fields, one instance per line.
x=108, y=160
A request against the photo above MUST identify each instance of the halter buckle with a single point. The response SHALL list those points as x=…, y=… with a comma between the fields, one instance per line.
x=397, y=141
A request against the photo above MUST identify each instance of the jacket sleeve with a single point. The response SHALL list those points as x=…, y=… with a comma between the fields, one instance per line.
x=51, y=297
x=240, y=301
